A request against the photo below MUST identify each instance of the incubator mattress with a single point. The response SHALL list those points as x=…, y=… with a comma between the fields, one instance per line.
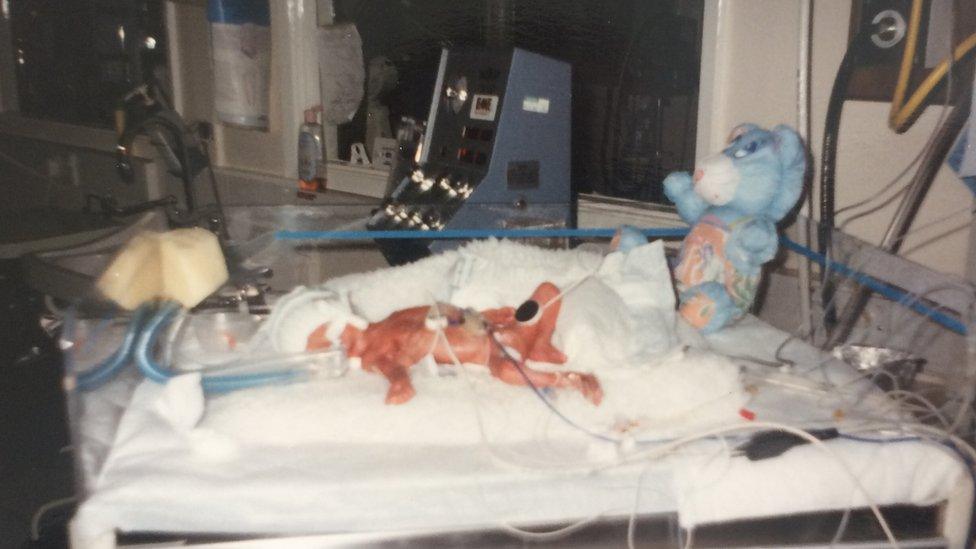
x=328, y=456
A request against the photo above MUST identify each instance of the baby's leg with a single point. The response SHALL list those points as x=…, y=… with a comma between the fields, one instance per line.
x=505, y=370
x=401, y=389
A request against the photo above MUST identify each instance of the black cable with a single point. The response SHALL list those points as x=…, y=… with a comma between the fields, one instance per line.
x=179, y=135
x=213, y=185
x=828, y=159
x=929, y=165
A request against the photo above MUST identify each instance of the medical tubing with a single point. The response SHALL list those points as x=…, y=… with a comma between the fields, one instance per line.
x=908, y=208
x=461, y=234
x=210, y=384
x=668, y=445
x=890, y=292
x=99, y=375
x=966, y=460
x=538, y=392
x=828, y=159
x=718, y=432
x=907, y=59
x=944, y=112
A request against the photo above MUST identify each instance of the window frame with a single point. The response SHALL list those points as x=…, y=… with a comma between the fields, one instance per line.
x=271, y=154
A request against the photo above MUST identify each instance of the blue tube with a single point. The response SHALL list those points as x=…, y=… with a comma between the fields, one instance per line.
x=462, y=234
x=147, y=341
x=99, y=375
x=899, y=296
x=892, y=293
x=211, y=384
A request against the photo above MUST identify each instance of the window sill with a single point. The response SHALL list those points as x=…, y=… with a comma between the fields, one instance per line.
x=592, y=210
x=96, y=139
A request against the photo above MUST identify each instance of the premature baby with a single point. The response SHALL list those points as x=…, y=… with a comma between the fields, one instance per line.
x=502, y=339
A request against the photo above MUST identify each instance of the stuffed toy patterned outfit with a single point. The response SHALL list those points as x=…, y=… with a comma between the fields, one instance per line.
x=733, y=203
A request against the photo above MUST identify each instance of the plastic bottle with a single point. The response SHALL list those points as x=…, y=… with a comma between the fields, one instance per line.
x=311, y=161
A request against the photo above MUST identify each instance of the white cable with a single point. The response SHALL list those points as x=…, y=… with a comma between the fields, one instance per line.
x=42, y=510
x=841, y=527
x=926, y=403
x=929, y=143
x=572, y=286
x=856, y=262
x=632, y=520
x=924, y=432
x=667, y=448
x=514, y=530
x=550, y=535
x=931, y=240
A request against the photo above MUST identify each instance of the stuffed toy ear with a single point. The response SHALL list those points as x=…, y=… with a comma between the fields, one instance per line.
x=739, y=130
x=793, y=165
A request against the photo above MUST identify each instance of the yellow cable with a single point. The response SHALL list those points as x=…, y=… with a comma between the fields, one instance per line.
x=907, y=58
x=903, y=111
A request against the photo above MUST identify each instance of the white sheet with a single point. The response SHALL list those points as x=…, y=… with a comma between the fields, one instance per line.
x=807, y=479
x=328, y=457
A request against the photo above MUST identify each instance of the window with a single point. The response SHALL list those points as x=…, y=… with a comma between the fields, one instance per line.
x=75, y=61
x=635, y=74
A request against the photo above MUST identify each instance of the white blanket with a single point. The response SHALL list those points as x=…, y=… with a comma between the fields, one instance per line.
x=617, y=324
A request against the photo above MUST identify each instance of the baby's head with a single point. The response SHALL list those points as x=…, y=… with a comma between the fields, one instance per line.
x=308, y=319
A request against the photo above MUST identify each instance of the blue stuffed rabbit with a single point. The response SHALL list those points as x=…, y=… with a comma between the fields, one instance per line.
x=733, y=202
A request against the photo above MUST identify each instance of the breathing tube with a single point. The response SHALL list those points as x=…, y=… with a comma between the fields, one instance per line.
x=147, y=364
x=97, y=376
x=828, y=163
x=139, y=344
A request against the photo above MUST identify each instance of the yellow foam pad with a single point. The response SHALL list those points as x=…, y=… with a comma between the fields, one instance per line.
x=192, y=264
x=185, y=265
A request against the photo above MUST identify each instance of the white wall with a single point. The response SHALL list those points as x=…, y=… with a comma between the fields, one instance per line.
x=294, y=84
x=753, y=63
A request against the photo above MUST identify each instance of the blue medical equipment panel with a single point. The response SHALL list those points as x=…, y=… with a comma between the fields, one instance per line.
x=495, y=155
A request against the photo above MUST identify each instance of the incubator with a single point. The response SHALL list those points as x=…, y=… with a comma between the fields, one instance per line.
x=219, y=409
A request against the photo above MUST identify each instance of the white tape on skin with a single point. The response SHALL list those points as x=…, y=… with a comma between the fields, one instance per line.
x=303, y=310
x=339, y=316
